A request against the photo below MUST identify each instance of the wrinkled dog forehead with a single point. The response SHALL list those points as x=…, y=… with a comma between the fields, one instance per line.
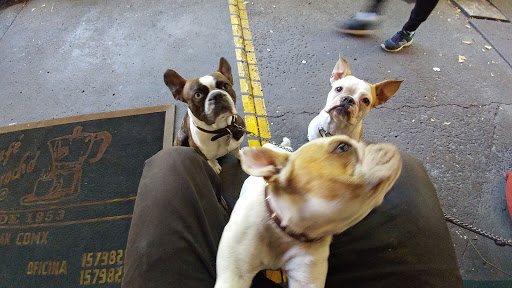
x=209, y=81
x=339, y=167
x=214, y=81
x=204, y=84
x=351, y=84
x=338, y=154
x=325, y=168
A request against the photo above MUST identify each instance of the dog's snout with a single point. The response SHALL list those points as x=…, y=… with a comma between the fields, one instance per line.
x=347, y=100
x=215, y=96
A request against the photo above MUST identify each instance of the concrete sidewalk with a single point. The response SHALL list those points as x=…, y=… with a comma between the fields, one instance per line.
x=62, y=58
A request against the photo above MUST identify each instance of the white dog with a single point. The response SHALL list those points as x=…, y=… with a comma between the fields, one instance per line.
x=348, y=102
x=293, y=203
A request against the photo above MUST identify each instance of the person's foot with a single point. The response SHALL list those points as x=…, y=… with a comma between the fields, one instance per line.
x=400, y=40
x=363, y=23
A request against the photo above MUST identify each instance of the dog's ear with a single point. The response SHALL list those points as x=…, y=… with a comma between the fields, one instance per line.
x=385, y=90
x=381, y=165
x=341, y=69
x=262, y=162
x=175, y=82
x=225, y=69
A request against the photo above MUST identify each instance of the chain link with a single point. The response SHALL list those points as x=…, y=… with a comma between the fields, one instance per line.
x=497, y=240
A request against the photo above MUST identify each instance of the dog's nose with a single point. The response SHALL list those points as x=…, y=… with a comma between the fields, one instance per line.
x=347, y=100
x=215, y=96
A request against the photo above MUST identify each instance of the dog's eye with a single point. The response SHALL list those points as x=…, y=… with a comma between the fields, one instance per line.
x=366, y=101
x=225, y=86
x=198, y=95
x=342, y=148
x=339, y=89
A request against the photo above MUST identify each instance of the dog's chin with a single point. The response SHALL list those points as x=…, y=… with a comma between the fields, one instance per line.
x=340, y=113
x=216, y=110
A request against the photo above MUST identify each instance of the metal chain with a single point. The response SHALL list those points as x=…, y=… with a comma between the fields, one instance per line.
x=497, y=240
x=252, y=134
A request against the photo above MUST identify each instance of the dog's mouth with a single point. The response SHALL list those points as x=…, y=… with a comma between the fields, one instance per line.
x=215, y=107
x=343, y=110
x=218, y=105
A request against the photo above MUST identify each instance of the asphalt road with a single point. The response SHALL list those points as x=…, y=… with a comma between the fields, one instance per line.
x=63, y=58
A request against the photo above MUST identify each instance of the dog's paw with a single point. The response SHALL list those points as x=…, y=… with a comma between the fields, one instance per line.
x=285, y=146
x=215, y=165
x=286, y=142
x=236, y=153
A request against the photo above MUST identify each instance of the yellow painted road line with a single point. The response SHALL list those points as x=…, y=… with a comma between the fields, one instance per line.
x=250, y=85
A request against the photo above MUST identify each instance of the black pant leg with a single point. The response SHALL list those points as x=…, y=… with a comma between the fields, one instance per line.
x=177, y=223
x=405, y=242
x=419, y=14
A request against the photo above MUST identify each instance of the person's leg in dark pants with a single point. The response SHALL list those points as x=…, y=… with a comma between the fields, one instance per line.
x=404, y=37
x=178, y=221
x=364, y=23
x=419, y=14
x=402, y=243
x=177, y=224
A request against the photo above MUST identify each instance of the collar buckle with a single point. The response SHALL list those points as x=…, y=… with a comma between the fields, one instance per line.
x=323, y=132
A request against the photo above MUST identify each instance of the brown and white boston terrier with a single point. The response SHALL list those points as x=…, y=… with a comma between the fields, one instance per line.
x=348, y=102
x=212, y=124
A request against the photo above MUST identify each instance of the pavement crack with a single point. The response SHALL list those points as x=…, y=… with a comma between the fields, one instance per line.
x=445, y=105
x=493, y=136
x=278, y=116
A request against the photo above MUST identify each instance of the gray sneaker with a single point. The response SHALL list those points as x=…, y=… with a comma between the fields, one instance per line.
x=400, y=40
x=363, y=23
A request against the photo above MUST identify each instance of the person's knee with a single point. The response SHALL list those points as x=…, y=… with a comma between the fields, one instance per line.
x=410, y=158
x=171, y=155
x=411, y=162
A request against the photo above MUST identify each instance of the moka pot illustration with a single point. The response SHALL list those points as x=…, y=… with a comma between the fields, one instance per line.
x=69, y=153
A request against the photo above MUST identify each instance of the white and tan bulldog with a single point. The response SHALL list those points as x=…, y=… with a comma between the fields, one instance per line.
x=348, y=102
x=293, y=203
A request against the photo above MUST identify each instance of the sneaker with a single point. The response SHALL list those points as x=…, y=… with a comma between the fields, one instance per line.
x=363, y=23
x=400, y=40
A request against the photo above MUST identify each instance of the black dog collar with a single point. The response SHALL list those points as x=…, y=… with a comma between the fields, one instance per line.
x=231, y=129
x=273, y=216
